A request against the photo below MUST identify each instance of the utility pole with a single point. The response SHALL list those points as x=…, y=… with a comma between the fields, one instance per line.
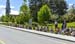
x=7, y=7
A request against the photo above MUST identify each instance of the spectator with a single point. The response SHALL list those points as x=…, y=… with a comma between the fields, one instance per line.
x=56, y=24
x=51, y=30
x=37, y=28
x=67, y=32
x=57, y=30
x=41, y=29
x=71, y=29
x=30, y=27
x=73, y=33
x=45, y=29
x=64, y=24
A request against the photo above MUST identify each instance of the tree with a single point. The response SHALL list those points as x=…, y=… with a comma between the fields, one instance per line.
x=57, y=6
x=54, y=17
x=20, y=19
x=24, y=9
x=61, y=7
x=44, y=14
x=24, y=14
x=72, y=10
x=5, y=18
x=8, y=7
x=34, y=8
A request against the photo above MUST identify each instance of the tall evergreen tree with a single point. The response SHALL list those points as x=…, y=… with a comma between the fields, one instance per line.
x=8, y=7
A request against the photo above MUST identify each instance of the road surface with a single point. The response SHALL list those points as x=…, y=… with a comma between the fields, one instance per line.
x=11, y=36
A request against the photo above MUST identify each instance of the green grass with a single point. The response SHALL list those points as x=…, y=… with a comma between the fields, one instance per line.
x=71, y=24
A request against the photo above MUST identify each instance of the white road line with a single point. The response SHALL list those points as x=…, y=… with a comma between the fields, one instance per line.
x=2, y=42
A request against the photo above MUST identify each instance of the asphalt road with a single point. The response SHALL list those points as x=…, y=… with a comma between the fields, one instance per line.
x=11, y=36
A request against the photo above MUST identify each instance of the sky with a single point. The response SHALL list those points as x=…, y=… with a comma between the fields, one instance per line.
x=15, y=5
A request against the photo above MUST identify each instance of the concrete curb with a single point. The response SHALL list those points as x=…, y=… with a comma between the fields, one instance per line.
x=63, y=37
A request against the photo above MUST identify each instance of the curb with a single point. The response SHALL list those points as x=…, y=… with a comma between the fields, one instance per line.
x=58, y=36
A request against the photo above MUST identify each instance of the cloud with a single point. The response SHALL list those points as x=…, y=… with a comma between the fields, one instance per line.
x=14, y=12
x=70, y=4
x=3, y=7
x=2, y=10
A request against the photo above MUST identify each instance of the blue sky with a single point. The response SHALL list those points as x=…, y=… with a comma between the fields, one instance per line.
x=15, y=5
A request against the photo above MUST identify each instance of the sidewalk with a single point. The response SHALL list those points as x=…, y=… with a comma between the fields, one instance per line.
x=63, y=37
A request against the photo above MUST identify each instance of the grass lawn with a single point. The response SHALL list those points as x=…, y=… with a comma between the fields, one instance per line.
x=71, y=24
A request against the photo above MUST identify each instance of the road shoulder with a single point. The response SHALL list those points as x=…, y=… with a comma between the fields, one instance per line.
x=58, y=36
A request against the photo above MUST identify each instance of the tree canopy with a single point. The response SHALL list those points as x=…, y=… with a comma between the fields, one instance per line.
x=44, y=14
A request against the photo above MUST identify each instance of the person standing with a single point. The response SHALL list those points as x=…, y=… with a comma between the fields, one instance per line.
x=64, y=24
x=56, y=24
x=73, y=33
